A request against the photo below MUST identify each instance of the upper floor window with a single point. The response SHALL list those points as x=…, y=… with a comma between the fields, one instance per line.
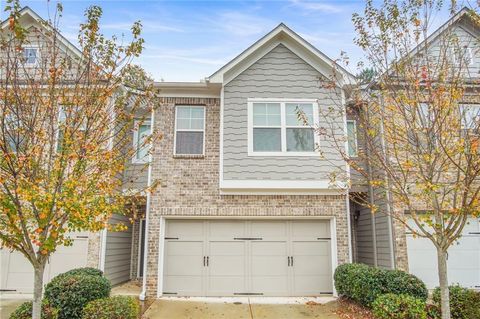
x=30, y=54
x=189, y=130
x=352, y=138
x=470, y=116
x=463, y=56
x=281, y=127
x=140, y=134
x=65, y=111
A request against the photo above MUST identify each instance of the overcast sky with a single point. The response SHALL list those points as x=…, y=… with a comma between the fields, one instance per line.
x=190, y=40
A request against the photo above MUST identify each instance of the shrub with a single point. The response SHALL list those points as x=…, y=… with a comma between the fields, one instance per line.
x=358, y=282
x=70, y=293
x=464, y=303
x=116, y=307
x=24, y=311
x=399, y=282
x=84, y=271
x=364, y=284
x=392, y=306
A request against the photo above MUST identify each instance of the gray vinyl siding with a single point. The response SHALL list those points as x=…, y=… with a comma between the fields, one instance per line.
x=467, y=36
x=118, y=252
x=278, y=74
x=382, y=231
x=364, y=236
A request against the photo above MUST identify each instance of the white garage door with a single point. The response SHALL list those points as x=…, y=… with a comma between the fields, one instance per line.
x=463, y=258
x=17, y=273
x=235, y=257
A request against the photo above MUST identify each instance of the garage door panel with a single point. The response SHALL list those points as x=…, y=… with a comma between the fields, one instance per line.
x=269, y=266
x=185, y=228
x=17, y=272
x=184, y=248
x=311, y=248
x=269, y=248
x=269, y=229
x=184, y=265
x=270, y=285
x=463, y=258
x=312, y=285
x=227, y=258
x=227, y=248
x=226, y=229
x=183, y=285
x=226, y=285
x=306, y=228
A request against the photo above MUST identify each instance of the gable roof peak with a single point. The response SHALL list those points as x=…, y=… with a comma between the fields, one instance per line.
x=281, y=34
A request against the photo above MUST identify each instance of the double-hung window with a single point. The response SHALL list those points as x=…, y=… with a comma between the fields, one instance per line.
x=30, y=55
x=140, y=135
x=281, y=127
x=189, y=130
x=352, y=138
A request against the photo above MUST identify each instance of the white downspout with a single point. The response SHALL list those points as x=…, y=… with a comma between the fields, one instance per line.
x=147, y=212
x=347, y=189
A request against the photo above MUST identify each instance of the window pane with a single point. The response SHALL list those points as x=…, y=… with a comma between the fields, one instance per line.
x=267, y=140
x=197, y=112
x=196, y=124
x=190, y=118
x=352, y=138
x=189, y=143
x=183, y=112
x=292, y=111
x=30, y=55
x=142, y=148
x=470, y=116
x=300, y=140
x=266, y=114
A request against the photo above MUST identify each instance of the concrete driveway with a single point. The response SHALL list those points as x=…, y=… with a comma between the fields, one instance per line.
x=8, y=305
x=246, y=308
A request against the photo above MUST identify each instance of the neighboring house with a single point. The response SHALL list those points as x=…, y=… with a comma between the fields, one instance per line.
x=382, y=240
x=245, y=204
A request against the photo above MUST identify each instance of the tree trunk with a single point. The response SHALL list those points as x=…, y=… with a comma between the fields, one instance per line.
x=38, y=290
x=443, y=279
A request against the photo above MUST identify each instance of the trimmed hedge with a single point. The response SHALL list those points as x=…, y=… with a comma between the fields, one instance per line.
x=24, y=311
x=116, y=307
x=464, y=303
x=364, y=284
x=70, y=293
x=84, y=271
x=393, y=306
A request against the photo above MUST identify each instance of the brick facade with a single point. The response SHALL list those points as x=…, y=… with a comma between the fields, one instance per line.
x=188, y=186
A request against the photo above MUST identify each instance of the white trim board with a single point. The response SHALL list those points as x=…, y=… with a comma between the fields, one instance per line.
x=281, y=184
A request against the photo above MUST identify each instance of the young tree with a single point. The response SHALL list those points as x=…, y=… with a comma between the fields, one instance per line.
x=418, y=120
x=64, y=121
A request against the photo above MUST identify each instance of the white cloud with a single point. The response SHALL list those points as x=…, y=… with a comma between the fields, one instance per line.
x=241, y=24
x=317, y=6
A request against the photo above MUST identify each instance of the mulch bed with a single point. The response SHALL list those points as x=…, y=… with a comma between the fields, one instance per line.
x=348, y=309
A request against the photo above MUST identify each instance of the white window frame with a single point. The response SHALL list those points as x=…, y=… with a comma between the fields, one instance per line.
x=189, y=130
x=283, y=126
x=467, y=53
x=355, y=137
x=36, y=47
x=136, y=126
